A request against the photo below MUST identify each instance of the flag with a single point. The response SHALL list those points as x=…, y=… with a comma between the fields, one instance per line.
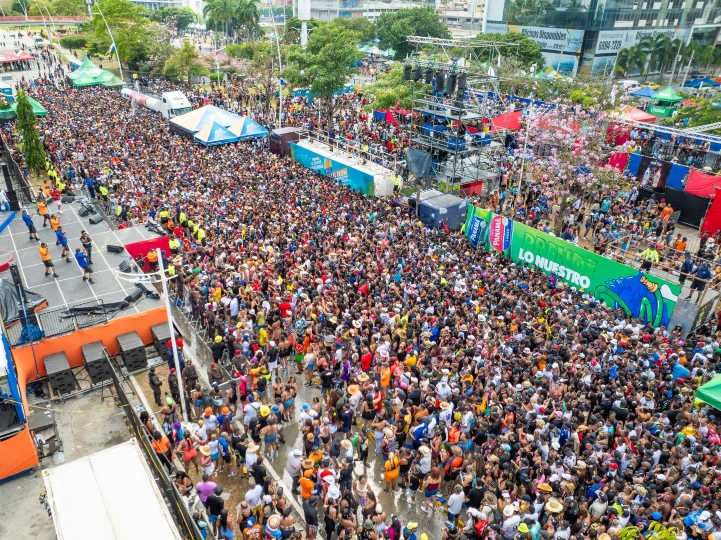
x=111, y=50
x=283, y=83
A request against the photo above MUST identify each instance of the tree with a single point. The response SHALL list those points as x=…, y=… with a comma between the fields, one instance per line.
x=631, y=60
x=708, y=55
x=326, y=64
x=219, y=12
x=390, y=89
x=159, y=48
x=527, y=51
x=659, y=51
x=69, y=7
x=291, y=33
x=392, y=28
x=184, y=63
x=363, y=26
x=27, y=126
x=262, y=72
x=247, y=16
x=20, y=7
x=701, y=113
x=129, y=26
x=178, y=18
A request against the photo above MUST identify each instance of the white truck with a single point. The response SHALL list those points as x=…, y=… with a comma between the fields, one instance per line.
x=169, y=104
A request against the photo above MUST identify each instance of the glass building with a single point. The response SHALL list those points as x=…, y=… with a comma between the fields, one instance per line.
x=586, y=35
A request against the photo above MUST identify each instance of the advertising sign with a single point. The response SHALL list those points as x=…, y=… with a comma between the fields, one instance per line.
x=552, y=39
x=660, y=111
x=618, y=286
x=350, y=4
x=612, y=41
x=478, y=231
x=500, y=234
x=356, y=179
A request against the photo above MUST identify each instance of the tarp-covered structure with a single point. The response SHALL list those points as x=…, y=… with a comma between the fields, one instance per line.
x=8, y=113
x=634, y=114
x=10, y=307
x=247, y=128
x=198, y=119
x=699, y=83
x=710, y=393
x=668, y=95
x=645, y=92
x=88, y=74
x=214, y=134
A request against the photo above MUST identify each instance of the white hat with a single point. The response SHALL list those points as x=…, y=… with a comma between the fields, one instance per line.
x=333, y=492
x=508, y=510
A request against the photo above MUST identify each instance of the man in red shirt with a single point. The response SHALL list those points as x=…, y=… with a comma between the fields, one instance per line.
x=285, y=308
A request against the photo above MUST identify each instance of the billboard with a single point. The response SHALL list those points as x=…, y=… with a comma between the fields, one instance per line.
x=643, y=295
x=552, y=39
x=612, y=41
x=342, y=173
x=350, y=4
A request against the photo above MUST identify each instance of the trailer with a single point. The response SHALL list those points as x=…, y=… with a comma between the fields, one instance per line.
x=168, y=104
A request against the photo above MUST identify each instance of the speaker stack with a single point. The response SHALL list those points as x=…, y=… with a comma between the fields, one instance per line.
x=134, y=296
x=161, y=335
x=95, y=219
x=96, y=363
x=132, y=351
x=60, y=376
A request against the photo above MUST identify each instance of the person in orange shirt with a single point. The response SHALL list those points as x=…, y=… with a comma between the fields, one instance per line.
x=307, y=484
x=162, y=449
x=385, y=376
x=43, y=211
x=680, y=245
x=47, y=260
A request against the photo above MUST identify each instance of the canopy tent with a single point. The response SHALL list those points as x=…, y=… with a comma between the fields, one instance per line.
x=196, y=120
x=668, y=95
x=710, y=393
x=114, y=82
x=88, y=74
x=645, y=92
x=8, y=113
x=246, y=128
x=509, y=120
x=10, y=56
x=698, y=83
x=637, y=115
x=214, y=134
x=111, y=495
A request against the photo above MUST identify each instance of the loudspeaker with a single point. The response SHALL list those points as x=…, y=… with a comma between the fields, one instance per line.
x=440, y=81
x=83, y=212
x=149, y=292
x=6, y=176
x=407, y=72
x=13, y=201
x=428, y=76
x=418, y=74
x=134, y=296
x=126, y=267
x=451, y=85
x=462, y=83
x=67, y=199
x=115, y=249
x=95, y=219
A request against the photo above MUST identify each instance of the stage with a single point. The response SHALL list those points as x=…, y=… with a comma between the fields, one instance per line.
x=69, y=289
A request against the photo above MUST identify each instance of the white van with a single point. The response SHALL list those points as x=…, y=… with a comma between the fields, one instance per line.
x=631, y=85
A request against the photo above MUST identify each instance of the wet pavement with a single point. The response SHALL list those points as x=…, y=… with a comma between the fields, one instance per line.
x=395, y=502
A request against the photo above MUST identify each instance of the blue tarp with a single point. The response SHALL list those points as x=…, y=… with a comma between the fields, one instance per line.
x=697, y=83
x=646, y=92
x=634, y=162
x=215, y=134
x=676, y=175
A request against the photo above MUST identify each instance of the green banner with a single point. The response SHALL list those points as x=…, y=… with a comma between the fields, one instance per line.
x=660, y=111
x=617, y=285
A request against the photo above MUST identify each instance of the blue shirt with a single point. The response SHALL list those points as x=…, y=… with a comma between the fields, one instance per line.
x=82, y=259
x=61, y=238
x=28, y=220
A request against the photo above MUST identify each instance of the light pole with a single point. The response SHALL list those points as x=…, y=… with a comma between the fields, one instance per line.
x=160, y=275
x=112, y=39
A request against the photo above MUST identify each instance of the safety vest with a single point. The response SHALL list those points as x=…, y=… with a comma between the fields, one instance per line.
x=61, y=185
x=196, y=228
x=174, y=243
x=171, y=270
x=152, y=257
x=164, y=214
x=103, y=190
x=201, y=235
x=182, y=218
x=191, y=224
x=118, y=210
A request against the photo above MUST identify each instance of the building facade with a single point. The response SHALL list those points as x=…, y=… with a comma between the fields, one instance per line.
x=586, y=35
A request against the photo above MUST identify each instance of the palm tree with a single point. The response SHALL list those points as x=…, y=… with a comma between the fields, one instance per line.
x=247, y=15
x=660, y=51
x=631, y=60
x=220, y=12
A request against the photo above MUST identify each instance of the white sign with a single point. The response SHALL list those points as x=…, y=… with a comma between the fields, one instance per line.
x=552, y=39
x=612, y=41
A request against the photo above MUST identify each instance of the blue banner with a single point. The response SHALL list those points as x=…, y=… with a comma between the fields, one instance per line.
x=346, y=175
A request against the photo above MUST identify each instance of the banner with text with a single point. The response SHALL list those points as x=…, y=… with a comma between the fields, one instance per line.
x=349, y=176
x=643, y=295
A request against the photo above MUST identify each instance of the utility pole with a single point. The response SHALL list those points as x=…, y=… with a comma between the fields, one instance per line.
x=675, y=60
x=688, y=66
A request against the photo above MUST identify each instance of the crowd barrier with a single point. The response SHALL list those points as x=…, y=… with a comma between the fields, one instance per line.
x=617, y=285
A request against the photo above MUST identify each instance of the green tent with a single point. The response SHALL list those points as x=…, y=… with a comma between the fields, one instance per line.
x=710, y=393
x=8, y=113
x=114, y=82
x=88, y=74
x=668, y=95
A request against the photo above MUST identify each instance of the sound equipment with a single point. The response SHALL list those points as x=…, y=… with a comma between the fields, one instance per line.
x=60, y=376
x=15, y=273
x=418, y=73
x=440, y=81
x=451, y=84
x=67, y=199
x=132, y=351
x=96, y=363
x=83, y=212
x=428, y=76
x=407, y=72
x=13, y=200
x=161, y=335
x=462, y=83
x=149, y=292
x=95, y=219
x=128, y=266
x=6, y=176
x=134, y=296
x=115, y=249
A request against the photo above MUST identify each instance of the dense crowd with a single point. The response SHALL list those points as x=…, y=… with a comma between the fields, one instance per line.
x=522, y=406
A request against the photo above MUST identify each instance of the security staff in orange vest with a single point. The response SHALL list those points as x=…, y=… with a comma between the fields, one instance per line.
x=153, y=260
x=47, y=260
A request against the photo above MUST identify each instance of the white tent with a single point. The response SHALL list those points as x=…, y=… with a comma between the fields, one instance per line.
x=109, y=495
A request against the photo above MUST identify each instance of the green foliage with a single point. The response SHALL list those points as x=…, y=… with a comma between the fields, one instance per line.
x=244, y=51
x=129, y=26
x=702, y=112
x=261, y=73
x=390, y=90
x=68, y=7
x=227, y=15
x=631, y=60
x=21, y=7
x=184, y=63
x=392, y=27
x=326, y=63
x=158, y=48
x=27, y=126
x=179, y=18
x=215, y=77
x=366, y=30
x=526, y=51
x=74, y=42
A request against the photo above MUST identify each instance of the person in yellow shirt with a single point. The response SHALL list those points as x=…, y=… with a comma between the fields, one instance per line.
x=55, y=223
x=153, y=260
x=47, y=259
x=43, y=211
x=263, y=338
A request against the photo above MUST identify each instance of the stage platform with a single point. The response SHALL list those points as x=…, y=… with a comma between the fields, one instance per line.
x=69, y=289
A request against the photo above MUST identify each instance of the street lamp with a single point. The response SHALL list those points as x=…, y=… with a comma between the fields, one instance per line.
x=112, y=39
x=152, y=278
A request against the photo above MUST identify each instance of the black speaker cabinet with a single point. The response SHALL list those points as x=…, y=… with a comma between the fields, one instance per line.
x=161, y=336
x=60, y=376
x=95, y=219
x=96, y=363
x=132, y=351
x=115, y=249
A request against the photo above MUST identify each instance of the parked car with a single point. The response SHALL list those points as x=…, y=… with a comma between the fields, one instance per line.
x=630, y=85
x=653, y=86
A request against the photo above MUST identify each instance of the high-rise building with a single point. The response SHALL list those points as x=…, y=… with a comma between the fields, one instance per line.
x=586, y=35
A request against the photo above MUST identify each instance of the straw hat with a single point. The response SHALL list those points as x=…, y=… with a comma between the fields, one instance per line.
x=445, y=405
x=490, y=498
x=388, y=432
x=425, y=451
x=307, y=463
x=554, y=507
x=545, y=487
x=205, y=450
x=252, y=447
x=353, y=389
x=457, y=451
x=347, y=444
x=363, y=377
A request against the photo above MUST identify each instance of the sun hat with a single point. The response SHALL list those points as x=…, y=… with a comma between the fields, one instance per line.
x=554, y=507
x=253, y=447
x=273, y=523
x=264, y=411
x=508, y=510
x=347, y=444
x=205, y=450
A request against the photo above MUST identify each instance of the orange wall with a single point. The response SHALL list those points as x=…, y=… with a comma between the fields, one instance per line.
x=18, y=452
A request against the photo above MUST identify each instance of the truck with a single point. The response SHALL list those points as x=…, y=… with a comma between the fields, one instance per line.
x=168, y=104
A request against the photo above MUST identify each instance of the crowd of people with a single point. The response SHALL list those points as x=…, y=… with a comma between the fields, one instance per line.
x=513, y=406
